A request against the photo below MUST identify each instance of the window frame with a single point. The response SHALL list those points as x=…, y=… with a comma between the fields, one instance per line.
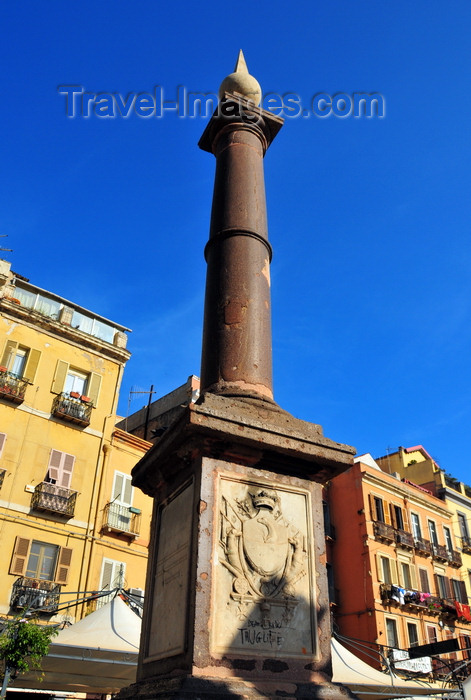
x=393, y=621
x=413, y=625
x=20, y=559
x=416, y=527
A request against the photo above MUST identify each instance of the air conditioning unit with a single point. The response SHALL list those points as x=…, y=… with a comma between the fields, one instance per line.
x=137, y=593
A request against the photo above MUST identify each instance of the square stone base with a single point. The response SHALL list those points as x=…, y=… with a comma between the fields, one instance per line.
x=196, y=688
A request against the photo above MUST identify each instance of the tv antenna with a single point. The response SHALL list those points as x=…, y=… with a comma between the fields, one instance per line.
x=6, y=250
x=138, y=390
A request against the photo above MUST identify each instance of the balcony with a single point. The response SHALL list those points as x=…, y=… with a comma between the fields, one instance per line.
x=439, y=552
x=122, y=519
x=454, y=558
x=53, y=498
x=466, y=544
x=33, y=594
x=404, y=539
x=71, y=409
x=12, y=388
x=384, y=531
x=422, y=546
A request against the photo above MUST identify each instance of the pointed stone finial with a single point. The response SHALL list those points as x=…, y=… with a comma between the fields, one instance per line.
x=241, y=82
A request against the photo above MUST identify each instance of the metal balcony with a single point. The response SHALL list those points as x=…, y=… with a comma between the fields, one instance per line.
x=384, y=531
x=34, y=594
x=422, y=546
x=466, y=544
x=12, y=388
x=439, y=552
x=53, y=498
x=405, y=539
x=72, y=410
x=122, y=519
x=454, y=558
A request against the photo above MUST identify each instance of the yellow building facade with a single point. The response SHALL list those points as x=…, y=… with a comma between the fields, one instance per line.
x=70, y=521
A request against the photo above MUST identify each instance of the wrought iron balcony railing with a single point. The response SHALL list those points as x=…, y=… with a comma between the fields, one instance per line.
x=12, y=388
x=466, y=544
x=439, y=552
x=454, y=558
x=54, y=498
x=71, y=409
x=422, y=546
x=34, y=594
x=384, y=531
x=123, y=519
x=405, y=539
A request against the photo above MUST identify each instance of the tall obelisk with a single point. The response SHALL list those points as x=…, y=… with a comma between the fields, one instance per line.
x=236, y=592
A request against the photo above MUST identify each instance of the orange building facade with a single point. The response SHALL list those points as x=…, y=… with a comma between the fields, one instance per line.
x=397, y=566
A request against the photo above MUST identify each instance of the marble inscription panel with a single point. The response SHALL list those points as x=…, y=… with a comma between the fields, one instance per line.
x=170, y=599
x=263, y=594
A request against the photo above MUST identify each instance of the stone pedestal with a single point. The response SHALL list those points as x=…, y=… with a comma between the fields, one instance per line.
x=236, y=592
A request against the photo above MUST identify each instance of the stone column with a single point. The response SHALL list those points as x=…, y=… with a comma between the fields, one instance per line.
x=237, y=348
x=236, y=601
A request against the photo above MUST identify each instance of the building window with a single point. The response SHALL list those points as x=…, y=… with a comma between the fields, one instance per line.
x=20, y=361
x=398, y=518
x=387, y=572
x=406, y=575
x=412, y=634
x=443, y=586
x=40, y=560
x=466, y=646
x=122, y=493
x=432, y=634
x=112, y=578
x=69, y=379
x=415, y=522
x=459, y=591
x=76, y=381
x=424, y=581
x=378, y=509
x=432, y=528
x=3, y=439
x=60, y=469
x=448, y=540
x=463, y=525
x=391, y=633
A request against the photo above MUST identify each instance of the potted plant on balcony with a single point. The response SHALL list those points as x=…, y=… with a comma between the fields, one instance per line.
x=74, y=395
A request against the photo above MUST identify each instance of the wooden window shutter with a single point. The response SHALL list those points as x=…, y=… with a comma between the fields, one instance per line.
x=405, y=518
x=387, y=513
x=32, y=362
x=106, y=575
x=93, y=389
x=424, y=582
x=372, y=506
x=65, y=476
x=379, y=568
x=448, y=588
x=394, y=574
x=392, y=511
x=464, y=595
x=20, y=556
x=3, y=438
x=118, y=486
x=63, y=564
x=127, y=496
x=413, y=577
x=53, y=470
x=60, y=376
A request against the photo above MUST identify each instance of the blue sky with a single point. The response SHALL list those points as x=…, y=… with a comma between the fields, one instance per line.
x=369, y=218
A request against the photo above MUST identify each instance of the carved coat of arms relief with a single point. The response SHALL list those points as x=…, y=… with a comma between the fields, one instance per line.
x=265, y=553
